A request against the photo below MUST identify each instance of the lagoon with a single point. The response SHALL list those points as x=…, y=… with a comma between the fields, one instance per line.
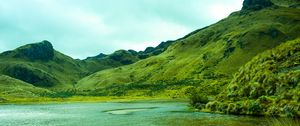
x=155, y=113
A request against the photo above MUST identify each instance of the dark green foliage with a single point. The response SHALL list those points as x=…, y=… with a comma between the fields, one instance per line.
x=124, y=57
x=149, y=49
x=153, y=51
x=30, y=75
x=198, y=98
x=255, y=108
x=14, y=88
x=2, y=100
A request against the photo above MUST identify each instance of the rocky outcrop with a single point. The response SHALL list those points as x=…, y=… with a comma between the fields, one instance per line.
x=124, y=57
x=37, y=51
x=256, y=4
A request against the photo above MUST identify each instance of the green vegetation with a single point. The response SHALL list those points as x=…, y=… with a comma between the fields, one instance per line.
x=247, y=63
x=206, y=56
x=10, y=87
x=40, y=65
x=210, y=57
x=267, y=85
x=283, y=122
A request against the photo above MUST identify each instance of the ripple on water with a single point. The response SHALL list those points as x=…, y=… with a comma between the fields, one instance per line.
x=127, y=111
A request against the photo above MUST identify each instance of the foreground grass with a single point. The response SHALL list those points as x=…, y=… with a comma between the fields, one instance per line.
x=283, y=122
x=46, y=100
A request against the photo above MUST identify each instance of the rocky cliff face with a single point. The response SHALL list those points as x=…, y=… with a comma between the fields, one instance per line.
x=256, y=4
x=38, y=51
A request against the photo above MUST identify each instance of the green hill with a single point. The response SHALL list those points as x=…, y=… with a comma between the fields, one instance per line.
x=287, y=3
x=206, y=58
x=12, y=88
x=122, y=57
x=247, y=63
x=40, y=65
x=267, y=85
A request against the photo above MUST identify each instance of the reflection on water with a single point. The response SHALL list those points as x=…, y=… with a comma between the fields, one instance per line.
x=117, y=114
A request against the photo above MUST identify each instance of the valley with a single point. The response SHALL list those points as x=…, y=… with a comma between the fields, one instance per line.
x=245, y=64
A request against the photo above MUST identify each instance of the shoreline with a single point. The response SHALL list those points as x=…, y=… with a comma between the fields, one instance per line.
x=88, y=99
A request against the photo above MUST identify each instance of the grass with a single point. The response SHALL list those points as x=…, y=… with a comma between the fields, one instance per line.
x=47, y=100
x=11, y=87
x=267, y=85
x=283, y=122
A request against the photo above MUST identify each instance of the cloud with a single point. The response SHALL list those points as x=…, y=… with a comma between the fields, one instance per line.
x=82, y=28
x=222, y=10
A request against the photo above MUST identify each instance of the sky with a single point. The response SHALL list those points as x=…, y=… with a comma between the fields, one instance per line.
x=82, y=28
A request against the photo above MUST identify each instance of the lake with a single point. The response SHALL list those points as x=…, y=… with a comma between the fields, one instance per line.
x=117, y=114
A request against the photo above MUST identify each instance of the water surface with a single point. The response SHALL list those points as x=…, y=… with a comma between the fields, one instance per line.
x=117, y=114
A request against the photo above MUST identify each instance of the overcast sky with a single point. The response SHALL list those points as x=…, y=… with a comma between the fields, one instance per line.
x=81, y=28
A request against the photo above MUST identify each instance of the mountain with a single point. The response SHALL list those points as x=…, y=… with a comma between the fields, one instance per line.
x=42, y=66
x=247, y=63
x=206, y=58
x=122, y=57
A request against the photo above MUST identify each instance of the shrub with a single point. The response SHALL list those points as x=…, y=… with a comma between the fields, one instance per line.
x=234, y=108
x=289, y=111
x=198, y=98
x=2, y=100
x=212, y=106
x=255, y=108
x=273, y=111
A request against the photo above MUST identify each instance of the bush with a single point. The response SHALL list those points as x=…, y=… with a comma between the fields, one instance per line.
x=255, y=108
x=234, y=108
x=212, y=106
x=2, y=100
x=196, y=97
x=289, y=111
x=273, y=111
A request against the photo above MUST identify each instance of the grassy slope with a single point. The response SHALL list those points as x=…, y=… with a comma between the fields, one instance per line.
x=60, y=72
x=206, y=57
x=268, y=84
x=10, y=87
x=286, y=3
x=42, y=66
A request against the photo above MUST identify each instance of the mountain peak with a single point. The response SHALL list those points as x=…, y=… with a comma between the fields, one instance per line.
x=256, y=4
x=37, y=51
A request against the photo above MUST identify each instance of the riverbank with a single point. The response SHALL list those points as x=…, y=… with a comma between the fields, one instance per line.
x=88, y=99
